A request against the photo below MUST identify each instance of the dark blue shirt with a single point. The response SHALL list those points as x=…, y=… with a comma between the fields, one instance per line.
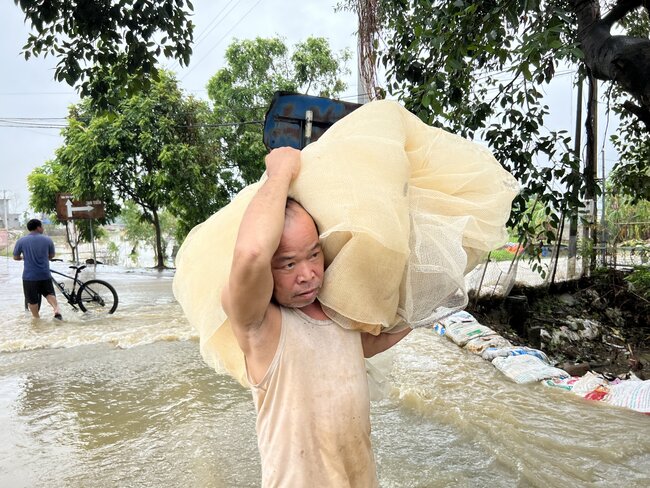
x=36, y=250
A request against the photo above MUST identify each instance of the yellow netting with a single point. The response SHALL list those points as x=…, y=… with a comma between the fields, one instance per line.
x=404, y=211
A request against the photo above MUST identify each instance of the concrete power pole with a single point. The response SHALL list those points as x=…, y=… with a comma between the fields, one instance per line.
x=590, y=175
x=573, y=226
x=6, y=219
x=5, y=204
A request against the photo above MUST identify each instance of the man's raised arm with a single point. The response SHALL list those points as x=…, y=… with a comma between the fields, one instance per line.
x=250, y=287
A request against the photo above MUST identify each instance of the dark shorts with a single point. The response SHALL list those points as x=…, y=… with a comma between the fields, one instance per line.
x=34, y=289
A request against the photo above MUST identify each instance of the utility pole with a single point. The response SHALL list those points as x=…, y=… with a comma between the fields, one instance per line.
x=573, y=225
x=591, y=173
x=6, y=219
x=603, y=223
x=6, y=213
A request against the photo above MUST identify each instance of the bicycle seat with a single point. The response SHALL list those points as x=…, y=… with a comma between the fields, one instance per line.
x=78, y=267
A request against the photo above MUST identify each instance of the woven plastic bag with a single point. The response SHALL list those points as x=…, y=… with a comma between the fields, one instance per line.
x=463, y=332
x=527, y=368
x=588, y=383
x=633, y=394
x=480, y=344
x=404, y=211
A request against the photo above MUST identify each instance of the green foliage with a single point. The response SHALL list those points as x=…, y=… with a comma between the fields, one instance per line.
x=639, y=279
x=44, y=183
x=627, y=218
x=631, y=173
x=109, y=47
x=112, y=253
x=478, y=69
x=242, y=90
x=153, y=150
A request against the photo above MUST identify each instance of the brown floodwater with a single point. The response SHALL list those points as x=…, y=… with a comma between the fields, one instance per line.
x=127, y=401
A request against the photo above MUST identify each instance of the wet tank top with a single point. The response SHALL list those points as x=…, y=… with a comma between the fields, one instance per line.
x=313, y=419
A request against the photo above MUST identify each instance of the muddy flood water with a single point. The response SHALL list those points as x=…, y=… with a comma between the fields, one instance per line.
x=126, y=400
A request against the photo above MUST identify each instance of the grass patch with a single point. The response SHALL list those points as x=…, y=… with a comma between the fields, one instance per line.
x=501, y=255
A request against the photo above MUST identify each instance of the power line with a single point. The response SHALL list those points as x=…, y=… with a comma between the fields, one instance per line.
x=35, y=93
x=51, y=126
x=32, y=118
x=203, y=34
x=221, y=39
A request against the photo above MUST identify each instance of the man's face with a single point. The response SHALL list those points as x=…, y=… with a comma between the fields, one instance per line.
x=298, y=263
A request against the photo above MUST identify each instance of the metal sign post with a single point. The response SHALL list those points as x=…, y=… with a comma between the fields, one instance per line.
x=92, y=240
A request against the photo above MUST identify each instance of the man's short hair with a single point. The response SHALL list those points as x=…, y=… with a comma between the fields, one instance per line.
x=291, y=208
x=34, y=224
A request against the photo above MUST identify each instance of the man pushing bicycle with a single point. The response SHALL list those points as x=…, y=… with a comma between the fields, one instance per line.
x=36, y=250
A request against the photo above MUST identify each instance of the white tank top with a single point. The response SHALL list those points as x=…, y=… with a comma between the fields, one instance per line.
x=313, y=408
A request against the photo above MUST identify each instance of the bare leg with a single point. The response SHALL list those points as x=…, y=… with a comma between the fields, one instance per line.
x=51, y=299
x=33, y=307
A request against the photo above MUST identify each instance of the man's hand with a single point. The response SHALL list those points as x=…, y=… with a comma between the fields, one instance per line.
x=282, y=160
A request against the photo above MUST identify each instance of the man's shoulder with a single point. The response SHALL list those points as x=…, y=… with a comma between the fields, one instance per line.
x=43, y=238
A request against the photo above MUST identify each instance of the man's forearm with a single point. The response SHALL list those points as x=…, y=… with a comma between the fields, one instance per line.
x=375, y=344
x=263, y=221
x=18, y=258
x=250, y=285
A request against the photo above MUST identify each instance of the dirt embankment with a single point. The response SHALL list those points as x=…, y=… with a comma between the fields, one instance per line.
x=596, y=323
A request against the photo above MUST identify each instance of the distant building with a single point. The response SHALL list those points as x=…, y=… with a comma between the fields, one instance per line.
x=12, y=219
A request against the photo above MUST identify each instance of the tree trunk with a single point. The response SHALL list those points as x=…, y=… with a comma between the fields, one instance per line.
x=73, y=242
x=622, y=59
x=160, y=255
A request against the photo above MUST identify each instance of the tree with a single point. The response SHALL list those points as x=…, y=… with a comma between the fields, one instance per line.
x=109, y=47
x=632, y=173
x=623, y=59
x=627, y=220
x=137, y=228
x=152, y=151
x=478, y=68
x=242, y=91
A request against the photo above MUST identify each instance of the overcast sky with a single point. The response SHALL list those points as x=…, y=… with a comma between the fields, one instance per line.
x=29, y=95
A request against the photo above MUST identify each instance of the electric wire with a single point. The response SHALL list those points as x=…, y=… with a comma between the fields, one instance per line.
x=221, y=39
x=204, y=34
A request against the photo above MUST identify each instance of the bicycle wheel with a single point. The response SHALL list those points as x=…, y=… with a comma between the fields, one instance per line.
x=97, y=296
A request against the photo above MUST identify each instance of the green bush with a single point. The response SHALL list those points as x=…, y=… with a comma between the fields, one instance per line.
x=639, y=280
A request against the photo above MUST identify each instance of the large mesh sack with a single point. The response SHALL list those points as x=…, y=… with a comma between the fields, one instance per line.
x=404, y=210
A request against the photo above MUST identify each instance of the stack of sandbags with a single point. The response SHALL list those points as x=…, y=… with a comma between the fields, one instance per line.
x=527, y=365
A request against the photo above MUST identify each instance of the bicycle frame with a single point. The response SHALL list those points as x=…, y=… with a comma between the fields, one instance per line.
x=70, y=295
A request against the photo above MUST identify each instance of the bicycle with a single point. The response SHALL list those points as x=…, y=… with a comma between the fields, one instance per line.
x=94, y=296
